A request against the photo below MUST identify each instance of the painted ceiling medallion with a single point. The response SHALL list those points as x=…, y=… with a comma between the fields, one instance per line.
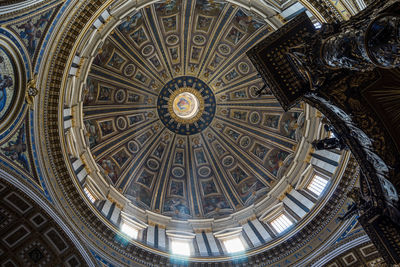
x=186, y=105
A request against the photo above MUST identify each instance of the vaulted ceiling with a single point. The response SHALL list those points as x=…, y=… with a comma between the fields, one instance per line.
x=220, y=162
x=153, y=111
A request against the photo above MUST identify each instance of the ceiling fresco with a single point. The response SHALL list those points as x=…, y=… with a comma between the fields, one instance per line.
x=172, y=115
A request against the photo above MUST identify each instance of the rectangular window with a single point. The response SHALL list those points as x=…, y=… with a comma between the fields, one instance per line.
x=130, y=231
x=317, y=185
x=89, y=195
x=281, y=223
x=180, y=247
x=234, y=245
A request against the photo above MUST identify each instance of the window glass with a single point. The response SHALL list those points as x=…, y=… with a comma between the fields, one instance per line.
x=130, y=231
x=317, y=185
x=234, y=245
x=89, y=195
x=281, y=223
x=180, y=247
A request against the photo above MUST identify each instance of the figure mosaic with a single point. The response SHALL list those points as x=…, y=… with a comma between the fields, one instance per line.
x=245, y=141
x=145, y=178
x=248, y=189
x=6, y=82
x=105, y=94
x=139, y=37
x=140, y=77
x=240, y=115
x=232, y=134
x=244, y=67
x=145, y=196
x=254, y=118
x=32, y=30
x=116, y=61
x=260, y=151
x=106, y=127
x=283, y=169
x=179, y=158
x=246, y=22
x=129, y=70
x=238, y=174
x=131, y=23
x=199, y=40
x=119, y=96
x=104, y=53
x=156, y=63
x=275, y=160
x=227, y=161
x=200, y=158
x=144, y=137
x=133, y=98
x=204, y=171
x=159, y=151
x=272, y=121
x=203, y=23
x=133, y=147
x=153, y=164
x=135, y=119
x=177, y=206
x=16, y=148
x=234, y=36
x=245, y=187
x=172, y=39
x=90, y=92
x=224, y=49
x=210, y=8
x=240, y=94
x=289, y=124
x=178, y=172
x=262, y=90
x=216, y=61
x=209, y=187
x=92, y=133
x=147, y=50
x=196, y=53
x=174, y=53
x=220, y=150
x=169, y=23
x=176, y=188
x=168, y=7
x=215, y=203
x=121, y=157
x=109, y=169
x=7, y=87
x=139, y=195
x=231, y=75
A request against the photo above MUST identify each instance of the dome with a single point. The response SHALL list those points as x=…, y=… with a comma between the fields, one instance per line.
x=144, y=133
x=162, y=135
x=172, y=113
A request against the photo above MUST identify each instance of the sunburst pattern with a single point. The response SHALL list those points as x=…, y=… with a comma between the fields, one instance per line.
x=230, y=163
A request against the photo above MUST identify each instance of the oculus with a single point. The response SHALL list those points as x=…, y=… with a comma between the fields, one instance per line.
x=186, y=105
